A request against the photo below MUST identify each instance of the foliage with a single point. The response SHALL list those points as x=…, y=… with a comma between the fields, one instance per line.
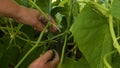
x=88, y=35
x=94, y=33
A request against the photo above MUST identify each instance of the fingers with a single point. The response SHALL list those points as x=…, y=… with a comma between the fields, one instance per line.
x=38, y=26
x=46, y=57
x=39, y=20
x=50, y=56
x=56, y=59
x=53, y=24
x=53, y=56
x=43, y=19
x=48, y=60
x=33, y=18
x=41, y=61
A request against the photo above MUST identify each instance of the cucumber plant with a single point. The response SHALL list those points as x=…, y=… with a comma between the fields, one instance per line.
x=88, y=36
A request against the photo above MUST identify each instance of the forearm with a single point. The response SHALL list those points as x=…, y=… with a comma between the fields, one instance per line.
x=9, y=8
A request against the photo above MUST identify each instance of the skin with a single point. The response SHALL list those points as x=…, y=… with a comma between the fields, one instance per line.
x=43, y=61
x=32, y=17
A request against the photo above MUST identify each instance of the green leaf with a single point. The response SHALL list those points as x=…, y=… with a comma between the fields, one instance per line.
x=116, y=61
x=115, y=9
x=91, y=32
x=58, y=18
x=4, y=44
x=68, y=63
x=23, y=2
x=9, y=57
x=44, y=5
x=32, y=56
x=29, y=31
x=82, y=63
x=71, y=63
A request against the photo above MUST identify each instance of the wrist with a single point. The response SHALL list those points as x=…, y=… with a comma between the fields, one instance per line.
x=9, y=8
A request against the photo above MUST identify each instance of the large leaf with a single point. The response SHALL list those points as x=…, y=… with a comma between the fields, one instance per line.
x=4, y=41
x=71, y=63
x=115, y=9
x=9, y=57
x=91, y=32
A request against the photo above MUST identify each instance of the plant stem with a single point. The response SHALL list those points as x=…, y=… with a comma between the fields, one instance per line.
x=39, y=39
x=62, y=3
x=118, y=28
x=63, y=52
x=105, y=59
x=57, y=36
x=50, y=6
x=54, y=37
x=46, y=16
x=99, y=7
x=13, y=35
x=69, y=21
x=116, y=44
x=37, y=7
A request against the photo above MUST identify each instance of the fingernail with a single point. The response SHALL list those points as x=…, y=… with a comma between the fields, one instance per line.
x=53, y=55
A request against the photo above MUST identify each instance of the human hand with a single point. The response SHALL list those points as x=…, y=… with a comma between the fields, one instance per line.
x=47, y=60
x=33, y=18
